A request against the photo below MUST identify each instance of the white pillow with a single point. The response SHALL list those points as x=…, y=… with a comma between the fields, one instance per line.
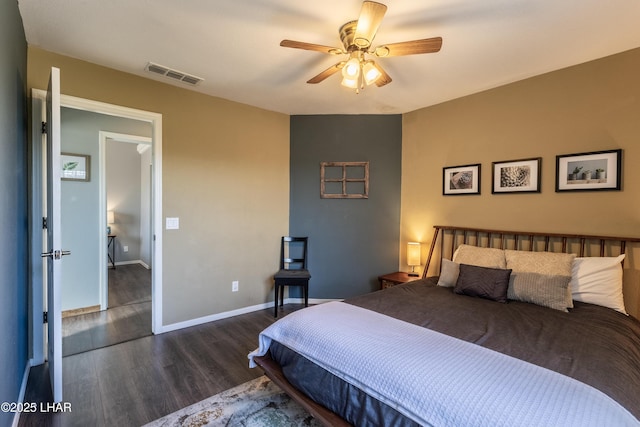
x=598, y=280
x=481, y=257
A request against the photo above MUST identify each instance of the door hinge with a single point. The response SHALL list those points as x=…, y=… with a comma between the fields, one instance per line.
x=44, y=222
x=44, y=127
x=45, y=317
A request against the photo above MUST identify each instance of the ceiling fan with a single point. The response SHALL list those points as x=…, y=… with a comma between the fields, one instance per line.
x=357, y=37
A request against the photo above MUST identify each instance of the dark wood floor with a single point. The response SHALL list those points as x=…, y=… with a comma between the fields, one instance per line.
x=128, y=316
x=138, y=381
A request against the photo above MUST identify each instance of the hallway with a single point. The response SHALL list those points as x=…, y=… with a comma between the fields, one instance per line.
x=128, y=316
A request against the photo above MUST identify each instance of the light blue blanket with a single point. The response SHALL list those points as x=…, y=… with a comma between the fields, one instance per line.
x=437, y=380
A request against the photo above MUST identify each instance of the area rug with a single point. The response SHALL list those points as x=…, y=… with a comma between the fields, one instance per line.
x=257, y=403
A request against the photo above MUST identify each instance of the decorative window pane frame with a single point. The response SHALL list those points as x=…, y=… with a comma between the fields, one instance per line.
x=350, y=186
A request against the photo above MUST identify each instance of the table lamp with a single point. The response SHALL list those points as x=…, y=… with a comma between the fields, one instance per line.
x=413, y=257
x=111, y=218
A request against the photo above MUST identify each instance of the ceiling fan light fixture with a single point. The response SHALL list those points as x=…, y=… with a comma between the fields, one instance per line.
x=370, y=72
x=350, y=83
x=357, y=39
x=351, y=69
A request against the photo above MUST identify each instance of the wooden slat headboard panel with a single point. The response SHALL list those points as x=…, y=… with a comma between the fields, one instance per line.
x=446, y=240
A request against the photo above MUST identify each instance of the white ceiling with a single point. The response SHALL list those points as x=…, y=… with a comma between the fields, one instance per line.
x=234, y=44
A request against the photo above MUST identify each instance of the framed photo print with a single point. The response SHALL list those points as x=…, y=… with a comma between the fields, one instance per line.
x=75, y=167
x=516, y=176
x=458, y=180
x=598, y=170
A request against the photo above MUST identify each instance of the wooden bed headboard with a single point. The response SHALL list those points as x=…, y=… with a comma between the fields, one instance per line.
x=446, y=240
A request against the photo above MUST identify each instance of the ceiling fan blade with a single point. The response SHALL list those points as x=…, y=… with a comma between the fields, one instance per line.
x=326, y=73
x=414, y=47
x=384, y=77
x=310, y=46
x=371, y=15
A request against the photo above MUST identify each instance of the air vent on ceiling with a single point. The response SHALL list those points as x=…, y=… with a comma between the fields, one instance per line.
x=172, y=74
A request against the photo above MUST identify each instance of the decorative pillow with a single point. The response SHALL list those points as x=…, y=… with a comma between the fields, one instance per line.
x=482, y=257
x=483, y=282
x=449, y=272
x=540, y=278
x=598, y=280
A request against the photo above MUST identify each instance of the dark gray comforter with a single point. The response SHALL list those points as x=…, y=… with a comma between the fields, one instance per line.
x=592, y=344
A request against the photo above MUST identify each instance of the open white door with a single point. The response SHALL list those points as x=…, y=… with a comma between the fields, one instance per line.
x=54, y=243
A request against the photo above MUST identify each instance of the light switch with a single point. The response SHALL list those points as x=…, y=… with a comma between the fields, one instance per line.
x=173, y=223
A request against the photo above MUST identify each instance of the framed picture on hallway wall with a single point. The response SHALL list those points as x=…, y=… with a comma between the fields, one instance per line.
x=75, y=167
x=459, y=180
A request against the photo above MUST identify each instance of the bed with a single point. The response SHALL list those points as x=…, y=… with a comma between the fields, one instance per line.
x=514, y=328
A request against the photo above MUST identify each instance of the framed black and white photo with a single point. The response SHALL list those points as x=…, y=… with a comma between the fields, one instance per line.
x=516, y=176
x=75, y=167
x=459, y=180
x=598, y=170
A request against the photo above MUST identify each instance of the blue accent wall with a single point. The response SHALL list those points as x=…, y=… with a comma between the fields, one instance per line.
x=351, y=241
x=13, y=206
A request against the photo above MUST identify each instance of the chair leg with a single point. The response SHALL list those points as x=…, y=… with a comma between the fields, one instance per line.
x=306, y=295
x=282, y=296
x=275, y=301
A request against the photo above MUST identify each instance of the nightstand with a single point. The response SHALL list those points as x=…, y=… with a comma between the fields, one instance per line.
x=393, y=279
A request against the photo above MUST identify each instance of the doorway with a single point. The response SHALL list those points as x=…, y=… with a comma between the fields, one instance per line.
x=106, y=300
x=155, y=122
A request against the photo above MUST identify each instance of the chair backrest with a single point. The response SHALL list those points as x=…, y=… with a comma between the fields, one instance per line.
x=293, y=253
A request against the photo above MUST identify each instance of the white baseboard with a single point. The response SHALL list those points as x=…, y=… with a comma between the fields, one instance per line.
x=213, y=317
x=244, y=310
x=23, y=389
x=134, y=261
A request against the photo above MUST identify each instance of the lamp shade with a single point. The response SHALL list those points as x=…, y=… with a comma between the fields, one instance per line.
x=371, y=72
x=111, y=217
x=413, y=253
x=351, y=69
x=350, y=83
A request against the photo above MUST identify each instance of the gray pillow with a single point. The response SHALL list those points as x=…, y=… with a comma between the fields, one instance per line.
x=483, y=282
x=449, y=271
x=541, y=289
x=541, y=278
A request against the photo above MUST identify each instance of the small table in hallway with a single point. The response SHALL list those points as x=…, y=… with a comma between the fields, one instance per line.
x=111, y=244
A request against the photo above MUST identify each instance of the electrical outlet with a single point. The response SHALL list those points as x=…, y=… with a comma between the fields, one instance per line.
x=125, y=248
x=234, y=286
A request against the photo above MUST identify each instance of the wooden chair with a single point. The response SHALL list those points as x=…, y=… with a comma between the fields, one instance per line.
x=293, y=269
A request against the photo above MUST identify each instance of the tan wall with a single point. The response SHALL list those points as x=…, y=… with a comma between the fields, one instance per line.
x=225, y=175
x=590, y=107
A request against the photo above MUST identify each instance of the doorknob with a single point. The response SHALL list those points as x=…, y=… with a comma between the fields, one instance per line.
x=55, y=254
